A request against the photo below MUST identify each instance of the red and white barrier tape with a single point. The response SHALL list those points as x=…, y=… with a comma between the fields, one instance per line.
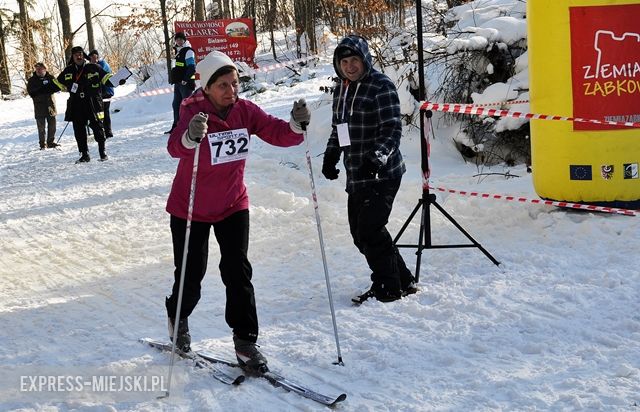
x=627, y=212
x=505, y=103
x=473, y=109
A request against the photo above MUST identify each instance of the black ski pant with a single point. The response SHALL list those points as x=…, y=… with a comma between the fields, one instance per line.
x=88, y=110
x=368, y=210
x=106, y=122
x=232, y=235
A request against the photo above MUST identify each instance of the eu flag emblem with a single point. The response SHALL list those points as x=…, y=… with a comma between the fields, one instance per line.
x=630, y=170
x=580, y=172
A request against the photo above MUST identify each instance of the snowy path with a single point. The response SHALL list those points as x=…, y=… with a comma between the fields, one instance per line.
x=86, y=262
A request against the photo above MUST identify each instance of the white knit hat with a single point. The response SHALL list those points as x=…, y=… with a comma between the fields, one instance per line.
x=210, y=64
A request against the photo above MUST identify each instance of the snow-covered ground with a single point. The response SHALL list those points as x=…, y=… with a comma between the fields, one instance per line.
x=86, y=261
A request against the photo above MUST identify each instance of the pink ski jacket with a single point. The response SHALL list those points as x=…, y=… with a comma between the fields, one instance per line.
x=220, y=189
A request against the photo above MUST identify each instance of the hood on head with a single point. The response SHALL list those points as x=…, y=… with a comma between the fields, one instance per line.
x=352, y=46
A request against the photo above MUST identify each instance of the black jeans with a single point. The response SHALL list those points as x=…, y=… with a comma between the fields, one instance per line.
x=368, y=210
x=232, y=235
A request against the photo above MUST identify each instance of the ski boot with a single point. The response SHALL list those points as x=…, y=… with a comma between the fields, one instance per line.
x=249, y=357
x=183, y=341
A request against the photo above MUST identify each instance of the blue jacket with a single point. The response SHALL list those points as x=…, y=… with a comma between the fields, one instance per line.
x=371, y=108
x=107, y=89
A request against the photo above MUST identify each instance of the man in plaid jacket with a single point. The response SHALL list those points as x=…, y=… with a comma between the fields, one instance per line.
x=366, y=127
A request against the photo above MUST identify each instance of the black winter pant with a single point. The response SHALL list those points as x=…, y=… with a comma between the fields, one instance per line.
x=232, y=235
x=106, y=122
x=88, y=111
x=369, y=211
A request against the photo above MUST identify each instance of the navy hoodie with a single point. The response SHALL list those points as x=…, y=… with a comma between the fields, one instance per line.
x=371, y=108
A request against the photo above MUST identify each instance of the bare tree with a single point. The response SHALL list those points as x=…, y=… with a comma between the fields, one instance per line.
x=5, y=81
x=198, y=6
x=271, y=22
x=87, y=18
x=27, y=45
x=304, y=17
x=67, y=34
x=167, y=41
x=225, y=9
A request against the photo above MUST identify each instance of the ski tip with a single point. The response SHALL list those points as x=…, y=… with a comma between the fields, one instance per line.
x=339, y=399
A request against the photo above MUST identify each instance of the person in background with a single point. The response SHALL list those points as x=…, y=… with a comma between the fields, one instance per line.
x=183, y=74
x=84, y=81
x=107, y=92
x=222, y=123
x=41, y=86
x=366, y=128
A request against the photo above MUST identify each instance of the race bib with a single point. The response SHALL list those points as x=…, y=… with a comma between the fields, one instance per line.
x=229, y=146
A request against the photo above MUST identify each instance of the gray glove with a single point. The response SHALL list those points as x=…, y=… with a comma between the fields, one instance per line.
x=197, y=127
x=300, y=116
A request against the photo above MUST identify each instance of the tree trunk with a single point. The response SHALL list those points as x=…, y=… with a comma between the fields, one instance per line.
x=26, y=39
x=198, y=5
x=305, y=12
x=5, y=81
x=226, y=9
x=271, y=21
x=249, y=9
x=298, y=15
x=167, y=40
x=67, y=34
x=310, y=26
x=87, y=18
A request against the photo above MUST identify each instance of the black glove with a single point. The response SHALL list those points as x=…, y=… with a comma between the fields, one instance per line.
x=370, y=167
x=329, y=169
x=122, y=81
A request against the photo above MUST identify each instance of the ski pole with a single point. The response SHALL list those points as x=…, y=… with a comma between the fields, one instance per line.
x=324, y=257
x=183, y=268
x=63, y=130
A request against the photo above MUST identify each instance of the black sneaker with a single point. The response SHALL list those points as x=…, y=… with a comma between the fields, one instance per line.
x=84, y=158
x=409, y=289
x=248, y=355
x=408, y=284
x=386, y=292
x=52, y=145
x=104, y=157
x=183, y=341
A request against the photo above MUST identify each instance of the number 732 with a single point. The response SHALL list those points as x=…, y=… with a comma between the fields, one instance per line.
x=232, y=146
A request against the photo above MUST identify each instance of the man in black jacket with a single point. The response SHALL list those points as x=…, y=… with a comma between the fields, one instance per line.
x=366, y=129
x=84, y=81
x=183, y=74
x=41, y=87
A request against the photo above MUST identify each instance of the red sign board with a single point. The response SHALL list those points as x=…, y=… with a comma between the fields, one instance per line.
x=605, y=64
x=234, y=37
